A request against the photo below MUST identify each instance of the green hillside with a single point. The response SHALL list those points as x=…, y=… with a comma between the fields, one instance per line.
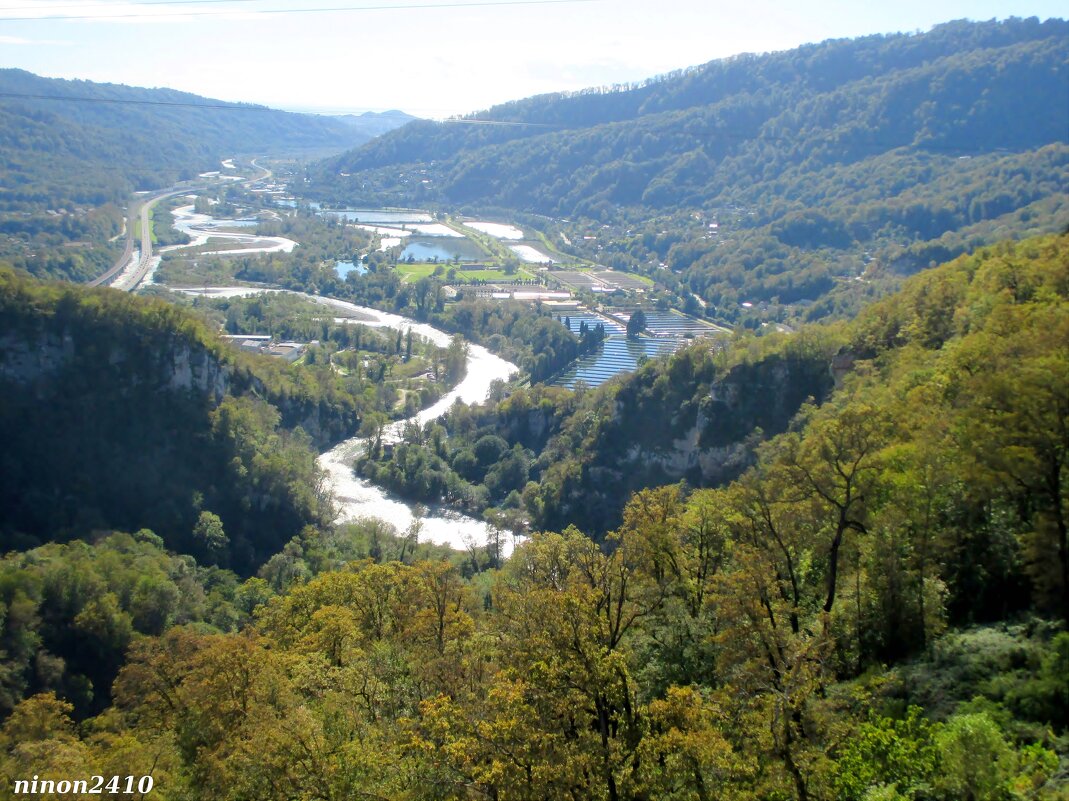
x=91, y=139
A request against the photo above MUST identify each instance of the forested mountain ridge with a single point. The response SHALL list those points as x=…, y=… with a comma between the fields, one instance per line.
x=127, y=412
x=843, y=159
x=761, y=85
x=146, y=137
x=117, y=138
x=72, y=152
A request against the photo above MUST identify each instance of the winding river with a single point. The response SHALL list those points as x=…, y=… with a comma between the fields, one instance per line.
x=356, y=497
x=202, y=227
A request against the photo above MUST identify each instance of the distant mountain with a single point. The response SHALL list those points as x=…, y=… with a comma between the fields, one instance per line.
x=69, y=148
x=376, y=123
x=147, y=137
x=771, y=177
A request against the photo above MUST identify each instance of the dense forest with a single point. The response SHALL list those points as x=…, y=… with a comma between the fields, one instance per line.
x=767, y=179
x=873, y=609
x=384, y=367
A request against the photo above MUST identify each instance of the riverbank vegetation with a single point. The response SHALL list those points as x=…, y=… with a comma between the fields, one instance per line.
x=545, y=457
x=164, y=233
x=397, y=372
x=522, y=333
x=323, y=242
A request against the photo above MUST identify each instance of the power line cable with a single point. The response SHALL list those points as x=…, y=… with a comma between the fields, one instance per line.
x=5, y=9
x=125, y=101
x=266, y=11
x=463, y=121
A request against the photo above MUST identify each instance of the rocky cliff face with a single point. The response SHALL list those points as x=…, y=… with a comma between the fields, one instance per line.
x=715, y=433
x=26, y=360
x=37, y=361
x=198, y=371
x=684, y=458
x=37, y=358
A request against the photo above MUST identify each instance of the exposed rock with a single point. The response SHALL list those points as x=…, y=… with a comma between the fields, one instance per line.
x=198, y=371
x=842, y=363
x=30, y=358
x=24, y=361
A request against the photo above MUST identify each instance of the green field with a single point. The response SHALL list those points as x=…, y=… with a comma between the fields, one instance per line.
x=413, y=272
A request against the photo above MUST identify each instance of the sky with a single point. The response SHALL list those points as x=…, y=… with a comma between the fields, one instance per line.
x=432, y=58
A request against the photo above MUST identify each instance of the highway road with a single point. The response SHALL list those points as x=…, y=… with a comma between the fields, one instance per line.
x=124, y=275
x=127, y=254
x=128, y=280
